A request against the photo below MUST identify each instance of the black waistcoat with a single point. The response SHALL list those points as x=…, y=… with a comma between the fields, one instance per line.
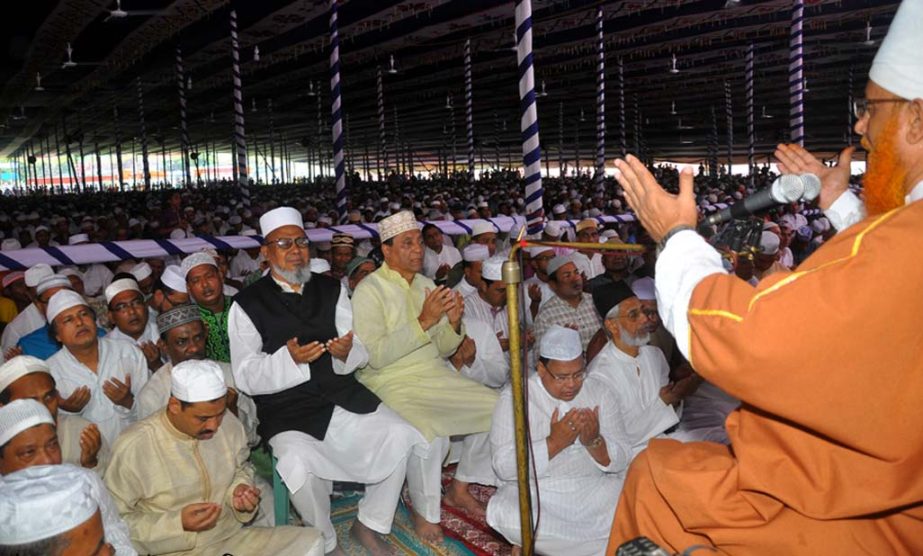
x=279, y=316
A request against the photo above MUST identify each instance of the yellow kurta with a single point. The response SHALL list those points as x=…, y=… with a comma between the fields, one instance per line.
x=407, y=367
x=156, y=470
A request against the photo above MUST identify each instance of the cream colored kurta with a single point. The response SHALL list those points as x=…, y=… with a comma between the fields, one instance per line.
x=156, y=471
x=407, y=367
x=69, y=429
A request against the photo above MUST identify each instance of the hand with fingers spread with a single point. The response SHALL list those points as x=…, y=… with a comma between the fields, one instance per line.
x=658, y=210
x=340, y=347
x=588, y=425
x=564, y=432
x=535, y=293
x=434, y=306
x=12, y=352
x=201, y=516
x=151, y=354
x=834, y=181
x=90, y=442
x=245, y=498
x=442, y=271
x=76, y=401
x=307, y=353
x=119, y=392
x=455, y=309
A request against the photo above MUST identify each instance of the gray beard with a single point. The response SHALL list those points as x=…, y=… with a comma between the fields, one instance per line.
x=635, y=341
x=300, y=275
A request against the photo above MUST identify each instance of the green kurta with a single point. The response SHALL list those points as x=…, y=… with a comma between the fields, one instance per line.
x=156, y=471
x=407, y=367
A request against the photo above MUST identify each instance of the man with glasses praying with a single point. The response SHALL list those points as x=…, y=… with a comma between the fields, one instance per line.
x=132, y=318
x=580, y=453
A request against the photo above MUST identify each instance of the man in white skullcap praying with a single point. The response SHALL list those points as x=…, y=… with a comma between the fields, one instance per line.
x=581, y=453
x=132, y=318
x=28, y=440
x=473, y=257
x=32, y=317
x=570, y=306
x=181, y=480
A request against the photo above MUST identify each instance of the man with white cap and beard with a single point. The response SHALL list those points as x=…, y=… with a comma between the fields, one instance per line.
x=181, y=479
x=132, y=318
x=827, y=441
x=293, y=350
x=97, y=378
x=473, y=257
x=580, y=452
x=28, y=440
x=81, y=443
x=29, y=319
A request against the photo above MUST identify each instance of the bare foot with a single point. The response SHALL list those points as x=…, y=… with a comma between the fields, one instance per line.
x=457, y=495
x=428, y=532
x=371, y=540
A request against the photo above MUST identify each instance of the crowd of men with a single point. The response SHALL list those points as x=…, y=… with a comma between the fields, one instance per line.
x=133, y=395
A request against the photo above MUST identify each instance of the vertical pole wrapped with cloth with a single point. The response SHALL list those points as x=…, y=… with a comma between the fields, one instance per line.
x=796, y=75
x=531, y=148
x=729, y=114
x=469, y=111
x=751, y=129
x=713, y=144
x=240, y=140
x=146, y=169
x=336, y=116
x=849, y=114
x=623, y=134
x=600, y=102
x=184, y=130
x=382, y=148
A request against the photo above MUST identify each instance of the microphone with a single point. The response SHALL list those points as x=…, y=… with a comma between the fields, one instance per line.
x=811, y=187
x=786, y=189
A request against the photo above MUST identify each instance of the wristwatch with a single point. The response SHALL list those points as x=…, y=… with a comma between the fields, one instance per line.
x=673, y=231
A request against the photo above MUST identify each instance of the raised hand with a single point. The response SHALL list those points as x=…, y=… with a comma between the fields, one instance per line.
x=588, y=424
x=119, y=392
x=307, y=353
x=834, y=181
x=151, y=354
x=90, y=442
x=340, y=347
x=658, y=211
x=434, y=306
x=563, y=431
x=76, y=401
x=454, y=309
x=245, y=498
x=12, y=352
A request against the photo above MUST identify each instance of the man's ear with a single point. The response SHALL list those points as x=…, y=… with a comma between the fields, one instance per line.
x=173, y=406
x=914, y=133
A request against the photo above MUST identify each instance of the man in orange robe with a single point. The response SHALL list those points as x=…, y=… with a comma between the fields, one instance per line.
x=826, y=452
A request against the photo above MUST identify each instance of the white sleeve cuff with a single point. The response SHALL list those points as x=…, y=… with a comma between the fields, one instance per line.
x=845, y=211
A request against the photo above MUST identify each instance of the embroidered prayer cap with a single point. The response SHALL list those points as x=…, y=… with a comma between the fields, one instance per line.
x=10, y=244
x=586, y=223
x=474, y=252
x=141, y=271
x=537, y=250
x=319, y=265
x=19, y=415
x=492, y=269
x=62, y=301
x=397, y=223
x=12, y=277
x=119, y=286
x=172, y=278
x=559, y=261
x=644, y=289
x=78, y=239
x=279, y=217
x=18, y=367
x=194, y=260
x=53, y=281
x=44, y=501
x=197, y=381
x=805, y=233
x=553, y=229
x=35, y=274
x=769, y=243
x=482, y=227
x=355, y=263
x=606, y=297
x=561, y=344
x=897, y=66
x=342, y=240
x=177, y=316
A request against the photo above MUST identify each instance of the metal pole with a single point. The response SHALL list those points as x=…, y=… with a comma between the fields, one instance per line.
x=751, y=122
x=729, y=114
x=382, y=146
x=144, y=162
x=336, y=117
x=600, y=102
x=184, y=131
x=796, y=75
x=469, y=111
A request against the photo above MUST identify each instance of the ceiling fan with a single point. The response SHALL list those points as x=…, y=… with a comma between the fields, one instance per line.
x=70, y=63
x=119, y=13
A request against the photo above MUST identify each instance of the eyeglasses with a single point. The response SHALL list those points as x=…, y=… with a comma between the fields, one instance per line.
x=133, y=304
x=576, y=377
x=635, y=314
x=285, y=243
x=860, y=106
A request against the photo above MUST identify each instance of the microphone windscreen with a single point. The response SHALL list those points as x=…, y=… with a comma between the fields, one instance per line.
x=811, y=186
x=787, y=188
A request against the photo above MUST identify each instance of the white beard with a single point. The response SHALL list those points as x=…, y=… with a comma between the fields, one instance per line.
x=635, y=341
x=300, y=275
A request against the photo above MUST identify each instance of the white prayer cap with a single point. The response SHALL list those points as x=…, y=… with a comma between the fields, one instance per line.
x=769, y=243
x=482, y=227
x=643, y=289
x=36, y=273
x=553, y=229
x=324, y=219
x=18, y=367
x=70, y=271
x=194, y=260
x=492, y=269
x=475, y=252
x=197, y=381
x=41, y=228
x=249, y=232
x=278, y=217
x=20, y=415
x=558, y=209
x=559, y=261
x=178, y=233
x=610, y=234
x=53, y=281
x=13, y=277
x=119, y=286
x=897, y=66
x=62, y=301
x=537, y=250
x=172, y=278
x=77, y=239
x=397, y=223
x=561, y=344
x=141, y=271
x=319, y=265
x=10, y=244
x=132, y=222
x=44, y=501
